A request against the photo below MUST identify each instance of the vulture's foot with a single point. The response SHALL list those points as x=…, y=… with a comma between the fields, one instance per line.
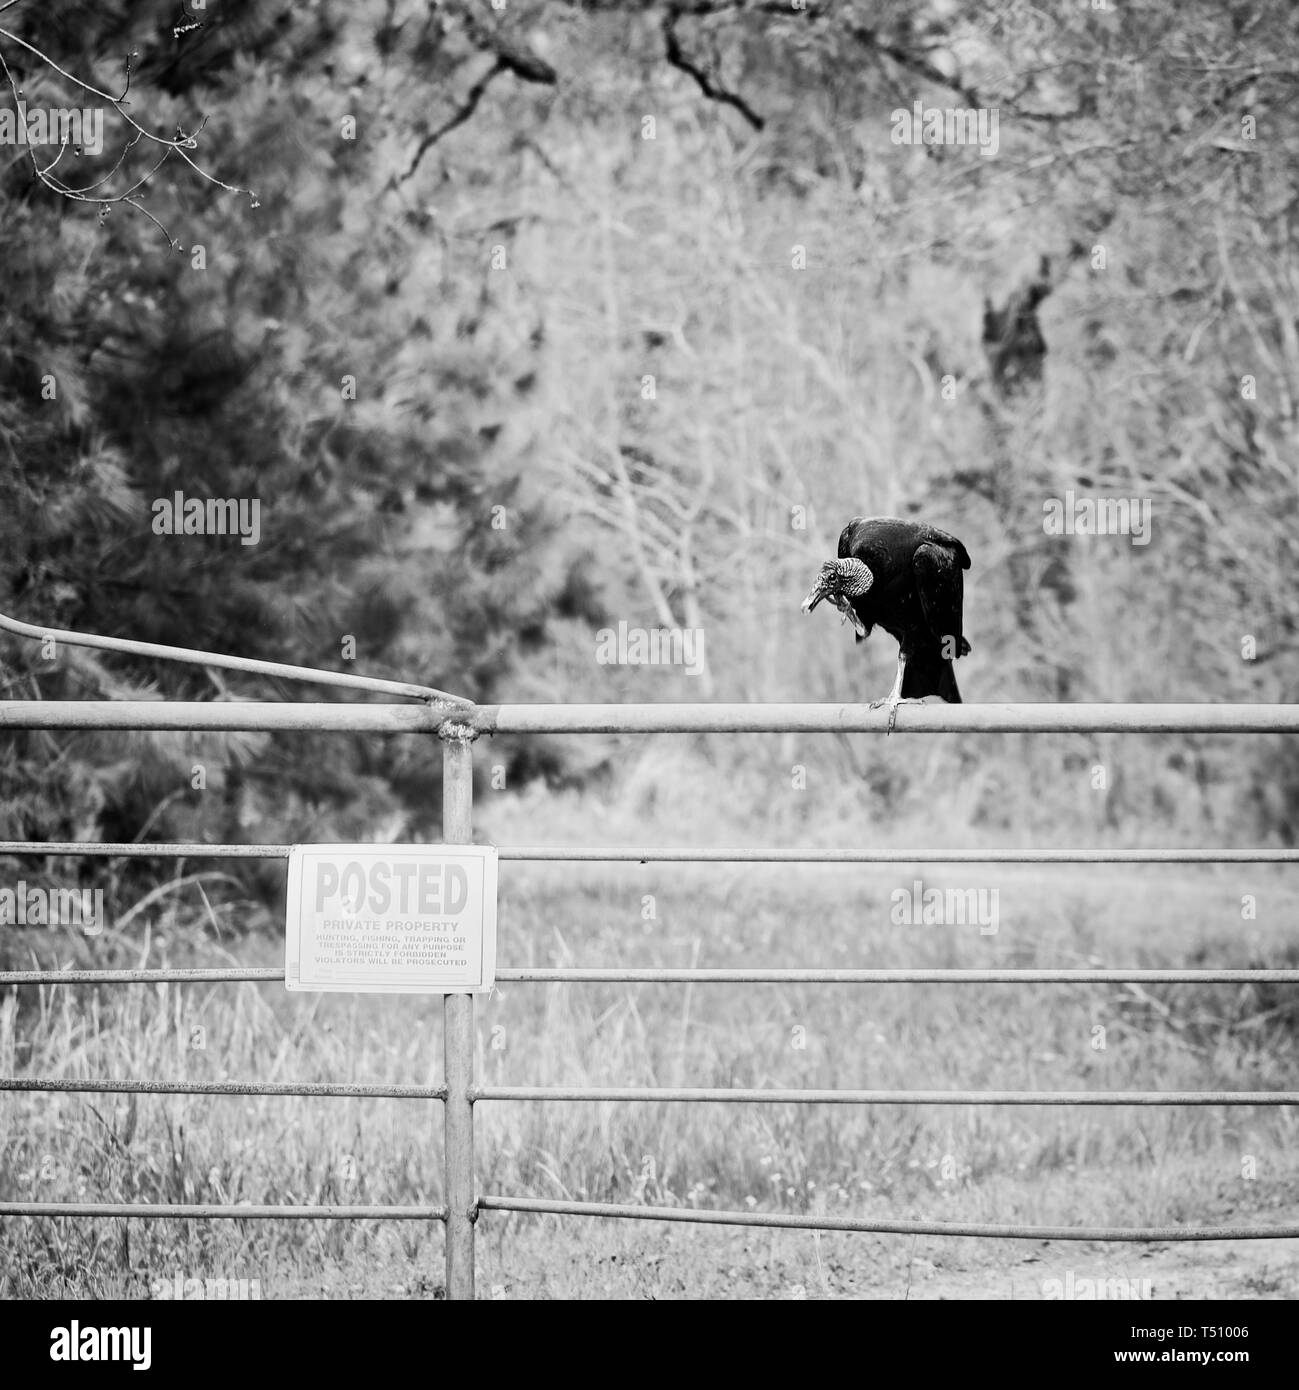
x=892, y=702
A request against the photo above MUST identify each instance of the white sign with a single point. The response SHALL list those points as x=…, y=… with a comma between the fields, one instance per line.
x=391, y=919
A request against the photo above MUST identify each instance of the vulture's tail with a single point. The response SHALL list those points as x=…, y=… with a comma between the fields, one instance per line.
x=928, y=673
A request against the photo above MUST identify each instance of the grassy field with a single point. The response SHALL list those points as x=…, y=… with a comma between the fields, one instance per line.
x=1005, y=1164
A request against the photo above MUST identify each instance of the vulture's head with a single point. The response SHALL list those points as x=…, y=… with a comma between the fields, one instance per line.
x=840, y=581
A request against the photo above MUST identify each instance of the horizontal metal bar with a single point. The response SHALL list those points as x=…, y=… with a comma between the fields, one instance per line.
x=204, y=975
x=775, y=1096
x=143, y=850
x=696, y=1215
x=222, y=1088
x=208, y=1211
x=578, y=854
x=855, y=718
x=624, y=975
x=232, y=715
x=677, y=855
x=223, y=715
x=685, y=1094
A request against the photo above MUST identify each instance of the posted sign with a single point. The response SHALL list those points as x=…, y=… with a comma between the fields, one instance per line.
x=391, y=919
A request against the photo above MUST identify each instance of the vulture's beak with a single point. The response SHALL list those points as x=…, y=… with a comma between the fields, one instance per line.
x=817, y=592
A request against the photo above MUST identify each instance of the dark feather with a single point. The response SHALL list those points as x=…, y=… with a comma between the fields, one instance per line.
x=916, y=598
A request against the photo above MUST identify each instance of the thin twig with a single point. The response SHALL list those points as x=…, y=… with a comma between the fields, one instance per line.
x=179, y=144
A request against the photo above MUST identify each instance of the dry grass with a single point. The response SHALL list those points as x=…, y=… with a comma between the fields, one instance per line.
x=1003, y=1164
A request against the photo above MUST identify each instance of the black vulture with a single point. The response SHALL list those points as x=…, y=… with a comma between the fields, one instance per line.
x=905, y=577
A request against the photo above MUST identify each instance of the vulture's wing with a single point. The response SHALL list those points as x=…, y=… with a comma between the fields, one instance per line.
x=941, y=589
x=943, y=538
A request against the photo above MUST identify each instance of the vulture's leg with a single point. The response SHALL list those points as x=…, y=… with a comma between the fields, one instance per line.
x=894, y=698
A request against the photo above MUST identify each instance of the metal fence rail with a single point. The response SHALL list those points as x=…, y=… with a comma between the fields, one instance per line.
x=579, y=854
x=185, y=1087
x=808, y=1096
x=473, y=720
x=226, y=1211
x=458, y=726
x=650, y=975
x=721, y=1095
x=702, y=1216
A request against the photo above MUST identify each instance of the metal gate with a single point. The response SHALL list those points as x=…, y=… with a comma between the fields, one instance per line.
x=458, y=724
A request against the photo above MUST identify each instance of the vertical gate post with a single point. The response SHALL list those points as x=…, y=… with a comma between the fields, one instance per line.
x=458, y=1038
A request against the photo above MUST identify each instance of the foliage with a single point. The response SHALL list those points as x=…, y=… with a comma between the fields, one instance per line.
x=457, y=207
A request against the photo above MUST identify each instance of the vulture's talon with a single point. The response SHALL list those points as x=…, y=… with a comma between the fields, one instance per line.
x=892, y=704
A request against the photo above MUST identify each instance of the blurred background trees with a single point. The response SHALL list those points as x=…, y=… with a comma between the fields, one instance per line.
x=641, y=304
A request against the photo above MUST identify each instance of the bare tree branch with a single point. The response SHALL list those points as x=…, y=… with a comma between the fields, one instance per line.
x=522, y=62
x=467, y=109
x=95, y=192
x=915, y=62
x=508, y=56
x=677, y=57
